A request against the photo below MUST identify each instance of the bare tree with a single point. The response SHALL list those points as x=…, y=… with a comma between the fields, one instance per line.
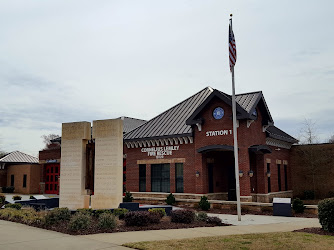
x=308, y=133
x=47, y=139
x=331, y=139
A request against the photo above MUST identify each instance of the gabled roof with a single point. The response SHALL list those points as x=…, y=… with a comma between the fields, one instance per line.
x=131, y=123
x=276, y=133
x=171, y=122
x=221, y=95
x=177, y=120
x=18, y=157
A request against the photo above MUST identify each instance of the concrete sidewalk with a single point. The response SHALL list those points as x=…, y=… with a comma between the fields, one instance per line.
x=19, y=236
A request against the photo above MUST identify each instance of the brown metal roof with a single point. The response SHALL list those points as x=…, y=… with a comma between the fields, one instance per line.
x=18, y=157
x=171, y=122
x=276, y=133
x=131, y=123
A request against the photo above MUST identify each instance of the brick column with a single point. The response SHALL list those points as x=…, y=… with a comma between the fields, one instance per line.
x=244, y=166
x=148, y=178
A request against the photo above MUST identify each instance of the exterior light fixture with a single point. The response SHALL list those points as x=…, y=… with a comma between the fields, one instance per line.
x=268, y=174
x=197, y=173
x=241, y=173
x=250, y=173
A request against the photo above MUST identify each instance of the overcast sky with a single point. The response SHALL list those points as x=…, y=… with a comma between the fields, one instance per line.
x=65, y=61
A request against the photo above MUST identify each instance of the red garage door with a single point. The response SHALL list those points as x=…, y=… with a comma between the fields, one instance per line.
x=51, y=182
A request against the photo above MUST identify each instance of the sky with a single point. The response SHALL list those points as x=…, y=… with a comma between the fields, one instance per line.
x=65, y=61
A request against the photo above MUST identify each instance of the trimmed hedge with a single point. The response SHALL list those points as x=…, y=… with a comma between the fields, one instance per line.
x=214, y=220
x=298, y=205
x=326, y=214
x=204, y=204
x=160, y=211
x=79, y=221
x=182, y=216
x=17, y=206
x=201, y=216
x=120, y=212
x=107, y=220
x=56, y=215
x=170, y=200
x=141, y=218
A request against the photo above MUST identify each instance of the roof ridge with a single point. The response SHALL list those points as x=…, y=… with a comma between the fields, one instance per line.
x=206, y=88
x=253, y=92
x=131, y=118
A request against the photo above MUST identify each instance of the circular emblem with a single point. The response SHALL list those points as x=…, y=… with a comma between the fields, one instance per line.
x=218, y=113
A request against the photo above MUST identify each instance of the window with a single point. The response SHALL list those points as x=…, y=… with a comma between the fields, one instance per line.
x=286, y=177
x=279, y=177
x=179, y=177
x=269, y=184
x=12, y=180
x=142, y=178
x=24, y=180
x=160, y=178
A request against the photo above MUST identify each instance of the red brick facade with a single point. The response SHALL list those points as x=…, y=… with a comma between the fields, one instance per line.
x=222, y=161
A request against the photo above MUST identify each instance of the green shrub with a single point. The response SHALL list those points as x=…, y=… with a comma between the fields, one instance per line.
x=8, y=189
x=309, y=195
x=170, y=200
x=298, y=205
x=160, y=211
x=98, y=212
x=57, y=215
x=79, y=221
x=7, y=213
x=17, y=206
x=137, y=218
x=128, y=197
x=214, y=220
x=88, y=211
x=204, y=204
x=326, y=214
x=107, y=220
x=201, y=216
x=32, y=197
x=120, y=212
x=154, y=217
x=17, y=197
x=2, y=198
x=182, y=216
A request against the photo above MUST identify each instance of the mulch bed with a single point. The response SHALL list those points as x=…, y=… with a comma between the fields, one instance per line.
x=165, y=223
x=314, y=230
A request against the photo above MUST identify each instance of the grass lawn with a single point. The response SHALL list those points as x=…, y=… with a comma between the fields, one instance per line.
x=288, y=240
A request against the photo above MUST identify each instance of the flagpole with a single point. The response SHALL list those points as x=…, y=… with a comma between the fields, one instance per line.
x=235, y=138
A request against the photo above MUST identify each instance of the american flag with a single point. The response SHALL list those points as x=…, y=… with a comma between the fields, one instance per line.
x=232, y=48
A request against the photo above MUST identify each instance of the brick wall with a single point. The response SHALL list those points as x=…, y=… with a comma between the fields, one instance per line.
x=321, y=156
x=198, y=162
x=31, y=170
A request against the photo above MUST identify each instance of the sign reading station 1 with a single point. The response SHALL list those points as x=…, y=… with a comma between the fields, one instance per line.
x=160, y=152
x=219, y=132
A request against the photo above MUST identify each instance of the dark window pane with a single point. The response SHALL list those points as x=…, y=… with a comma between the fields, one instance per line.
x=56, y=169
x=47, y=187
x=12, y=180
x=51, y=169
x=286, y=177
x=51, y=186
x=55, y=187
x=179, y=177
x=160, y=178
x=24, y=180
x=56, y=177
x=47, y=178
x=51, y=178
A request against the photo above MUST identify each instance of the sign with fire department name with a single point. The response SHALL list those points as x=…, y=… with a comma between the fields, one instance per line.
x=219, y=132
x=160, y=152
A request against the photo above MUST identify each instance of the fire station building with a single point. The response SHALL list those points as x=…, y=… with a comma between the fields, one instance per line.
x=189, y=149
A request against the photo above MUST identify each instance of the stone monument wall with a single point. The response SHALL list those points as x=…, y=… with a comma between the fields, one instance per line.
x=72, y=192
x=108, y=183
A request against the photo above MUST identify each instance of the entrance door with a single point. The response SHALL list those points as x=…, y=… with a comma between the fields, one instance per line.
x=232, y=196
x=51, y=183
x=210, y=175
